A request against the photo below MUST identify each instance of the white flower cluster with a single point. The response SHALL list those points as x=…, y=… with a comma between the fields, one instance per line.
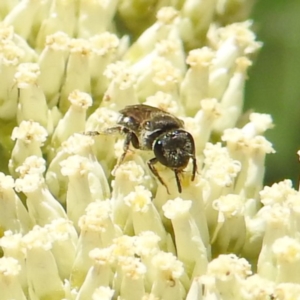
x=71, y=230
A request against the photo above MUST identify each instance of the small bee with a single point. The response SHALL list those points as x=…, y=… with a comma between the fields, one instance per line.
x=150, y=128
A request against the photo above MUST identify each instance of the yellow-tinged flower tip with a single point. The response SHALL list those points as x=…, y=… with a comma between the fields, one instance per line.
x=167, y=15
x=103, y=292
x=200, y=57
x=6, y=182
x=57, y=41
x=30, y=131
x=80, y=99
x=164, y=102
x=287, y=249
x=130, y=172
x=123, y=246
x=112, y=70
x=168, y=265
x=98, y=217
x=177, y=207
x=11, y=54
x=102, y=256
x=230, y=205
x=139, y=200
x=147, y=244
x=132, y=267
x=287, y=291
x=75, y=165
x=105, y=43
x=29, y=183
x=32, y=165
x=124, y=79
x=164, y=72
x=277, y=193
x=79, y=46
x=226, y=267
x=6, y=32
x=9, y=266
x=27, y=75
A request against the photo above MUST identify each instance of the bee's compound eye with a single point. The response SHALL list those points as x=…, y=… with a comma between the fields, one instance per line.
x=160, y=152
x=174, y=148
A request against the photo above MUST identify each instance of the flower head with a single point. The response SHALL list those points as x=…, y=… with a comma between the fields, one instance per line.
x=81, y=214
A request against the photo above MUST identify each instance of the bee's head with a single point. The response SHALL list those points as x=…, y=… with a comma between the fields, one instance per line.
x=174, y=148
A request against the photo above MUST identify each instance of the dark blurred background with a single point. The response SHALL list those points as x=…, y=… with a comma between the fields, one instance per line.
x=274, y=84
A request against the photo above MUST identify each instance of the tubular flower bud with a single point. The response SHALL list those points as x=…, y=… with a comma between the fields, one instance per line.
x=76, y=114
x=277, y=193
x=77, y=168
x=77, y=74
x=99, y=273
x=9, y=283
x=277, y=226
x=161, y=76
x=220, y=171
x=287, y=291
x=104, y=49
x=31, y=96
x=286, y=251
x=104, y=293
x=144, y=214
x=164, y=102
x=42, y=206
x=169, y=49
x=233, y=98
x=199, y=14
x=13, y=214
x=11, y=56
x=259, y=123
x=121, y=90
x=102, y=119
x=12, y=246
x=230, y=228
x=233, y=41
x=61, y=17
x=172, y=50
x=52, y=62
x=229, y=270
x=82, y=145
x=29, y=136
x=41, y=265
x=95, y=17
x=25, y=10
x=256, y=287
x=168, y=271
x=190, y=247
x=133, y=174
x=251, y=152
x=204, y=119
x=194, y=86
x=64, y=241
x=130, y=273
x=96, y=230
x=164, y=27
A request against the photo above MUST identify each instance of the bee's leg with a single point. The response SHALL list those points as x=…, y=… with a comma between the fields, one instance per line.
x=112, y=130
x=178, y=181
x=194, y=167
x=152, y=168
x=126, y=144
x=91, y=133
x=130, y=137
